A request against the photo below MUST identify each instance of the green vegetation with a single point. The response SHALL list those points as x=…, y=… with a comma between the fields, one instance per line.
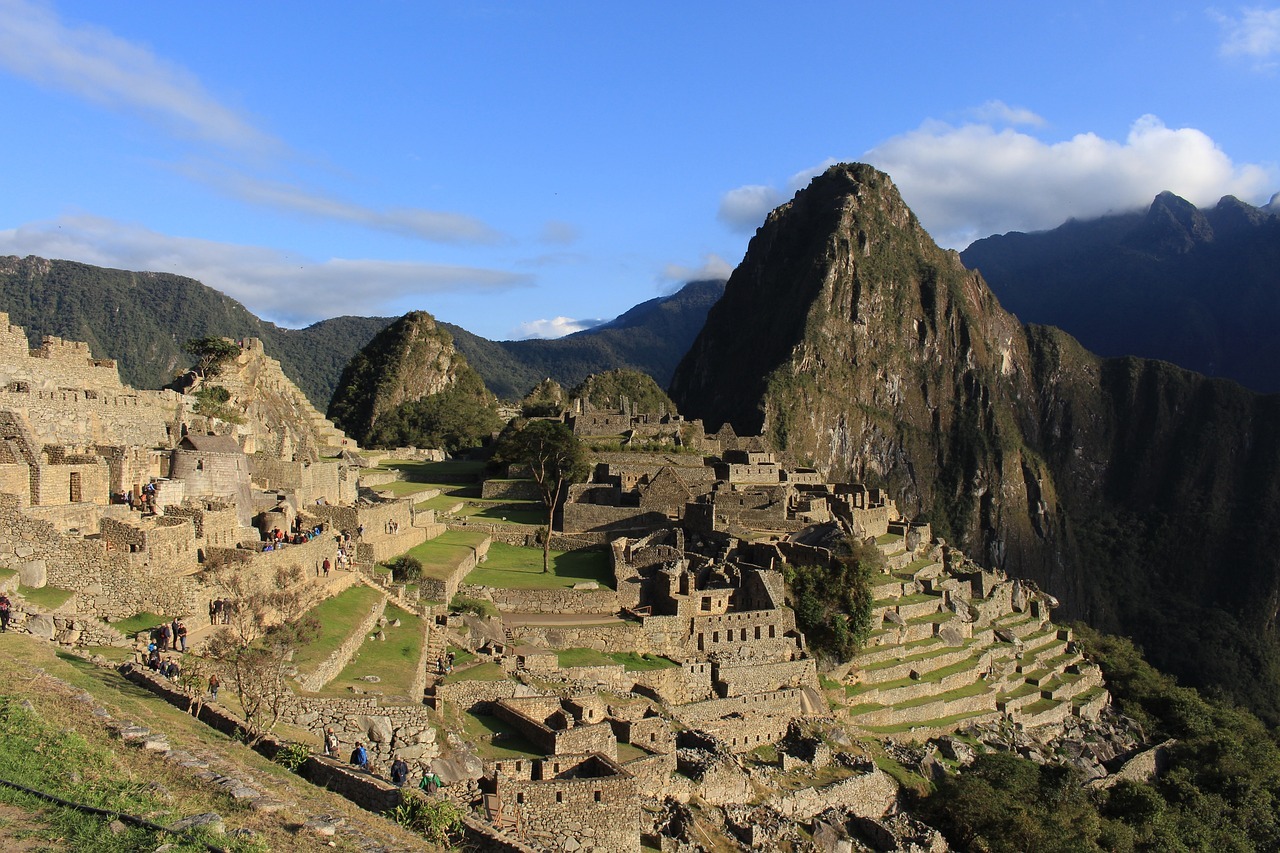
x=138, y=622
x=436, y=819
x=48, y=597
x=494, y=739
x=513, y=567
x=634, y=662
x=546, y=400
x=555, y=458
x=338, y=618
x=441, y=556
x=606, y=391
x=393, y=660
x=479, y=672
x=211, y=401
x=833, y=603
x=460, y=417
x=212, y=354
x=405, y=569
x=1218, y=792
x=584, y=657
x=474, y=606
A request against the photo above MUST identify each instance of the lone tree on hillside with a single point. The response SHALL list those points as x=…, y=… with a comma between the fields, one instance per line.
x=211, y=354
x=555, y=459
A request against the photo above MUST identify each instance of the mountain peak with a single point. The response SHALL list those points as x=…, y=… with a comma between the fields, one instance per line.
x=1172, y=226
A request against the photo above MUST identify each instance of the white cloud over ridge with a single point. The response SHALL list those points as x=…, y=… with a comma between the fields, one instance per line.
x=557, y=327
x=744, y=208
x=289, y=290
x=973, y=181
x=712, y=267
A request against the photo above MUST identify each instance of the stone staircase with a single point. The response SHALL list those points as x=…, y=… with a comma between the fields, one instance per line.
x=936, y=660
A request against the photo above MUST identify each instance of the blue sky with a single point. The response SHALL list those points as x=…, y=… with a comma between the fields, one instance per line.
x=522, y=168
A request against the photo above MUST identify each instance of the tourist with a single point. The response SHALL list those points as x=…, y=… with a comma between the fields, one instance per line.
x=399, y=772
x=5, y=607
x=180, y=632
x=430, y=781
x=214, y=684
x=326, y=565
x=330, y=743
x=360, y=758
x=164, y=637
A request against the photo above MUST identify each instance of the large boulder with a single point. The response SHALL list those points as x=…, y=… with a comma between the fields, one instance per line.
x=33, y=574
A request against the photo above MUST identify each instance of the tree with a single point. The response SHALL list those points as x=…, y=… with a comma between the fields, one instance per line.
x=256, y=672
x=555, y=459
x=211, y=354
x=833, y=600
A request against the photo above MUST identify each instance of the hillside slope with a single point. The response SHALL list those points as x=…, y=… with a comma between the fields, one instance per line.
x=1146, y=497
x=142, y=319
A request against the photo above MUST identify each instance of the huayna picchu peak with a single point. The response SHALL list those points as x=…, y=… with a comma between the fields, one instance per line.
x=1126, y=487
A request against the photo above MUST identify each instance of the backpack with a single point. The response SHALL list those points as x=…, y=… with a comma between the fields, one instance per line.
x=430, y=783
x=355, y=755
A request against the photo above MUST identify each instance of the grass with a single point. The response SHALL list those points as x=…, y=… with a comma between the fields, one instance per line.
x=512, y=567
x=627, y=752
x=939, y=723
x=481, y=672
x=402, y=488
x=426, y=472
x=584, y=657
x=461, y=656
x=5, y=574
x=60, y=747
x=393, y=660
x=494, y=739
x=903, y=776
x=441, y=556
x=338, y=617
x=48, y=597
x=139, y=622
x=633, y=662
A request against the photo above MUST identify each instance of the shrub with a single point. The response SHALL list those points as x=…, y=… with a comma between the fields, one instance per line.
x=434, y=818
x=293, y=756
x=405, y=569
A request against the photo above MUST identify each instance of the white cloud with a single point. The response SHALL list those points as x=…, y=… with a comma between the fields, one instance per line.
x=998, y=112
x=713, y=267
x=430, y=225
x=1255, y=33
x=100, y=67
x=94, y=64
x=291, y=290
x=557, y=327
x=744, y=208
x=972, y=181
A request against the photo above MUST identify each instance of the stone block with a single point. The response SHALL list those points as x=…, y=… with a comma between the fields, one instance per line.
x=40, y=626
x=33, y=574
x=378, y=729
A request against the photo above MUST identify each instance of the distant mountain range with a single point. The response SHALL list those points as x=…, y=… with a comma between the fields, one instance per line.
x=142, y=319
x=1199, y=288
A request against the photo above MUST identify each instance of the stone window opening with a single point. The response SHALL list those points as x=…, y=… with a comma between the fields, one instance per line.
x=757, y=632
x=559, y=797
x=520, y=799
x=599, y=796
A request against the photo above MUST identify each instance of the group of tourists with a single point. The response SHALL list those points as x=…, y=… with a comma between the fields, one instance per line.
x=430, y=782
x=277, y=538
x=392, y=527
x=220, y=610
x=170, y=636
x=144, y=501
x=444, y=663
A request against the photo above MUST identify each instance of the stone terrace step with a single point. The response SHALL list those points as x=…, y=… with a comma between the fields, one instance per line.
x=1041, y=653
x=924, y=662
x=877, y=654
x=921, y=604
x=925, y=729
x=906, y=690
x=1072, y=684
x=888, y=590
x=1043, y=713
x=1044, y=637
x=1018, y=698
x=978, y=696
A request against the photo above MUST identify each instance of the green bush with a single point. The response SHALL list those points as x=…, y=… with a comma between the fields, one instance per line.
x=434, y=818
x=293, y=756
x=405, y=569
x=833, y=602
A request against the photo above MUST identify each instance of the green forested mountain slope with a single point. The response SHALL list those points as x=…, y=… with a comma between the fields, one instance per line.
x=142, y=319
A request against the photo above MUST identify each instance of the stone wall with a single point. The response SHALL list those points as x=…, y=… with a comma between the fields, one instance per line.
x=388, y=730
x=870, y=794
x=586, y=601
x=576, y=812
x=583, y=518
x=778, y=703
x=478, y=695
x=574, y=740
x=762, y=678
x=510, y=490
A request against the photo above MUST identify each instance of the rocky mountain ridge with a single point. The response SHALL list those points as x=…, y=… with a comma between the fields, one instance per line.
x=1199, y=288
x=1143, y=496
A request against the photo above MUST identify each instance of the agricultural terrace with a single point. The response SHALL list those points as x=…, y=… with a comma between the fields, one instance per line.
x=339, y=617
x=393, y=661
x=512, y=567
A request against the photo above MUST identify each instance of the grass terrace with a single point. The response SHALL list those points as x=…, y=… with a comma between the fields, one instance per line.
x=441, y=556
x=139, y=622
x=584, y=657
x=480, y=672
x=48, y=597
x=394, y=660
x=633, y=662
x=512, y=567
x=494, y=739
x=339, y=617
